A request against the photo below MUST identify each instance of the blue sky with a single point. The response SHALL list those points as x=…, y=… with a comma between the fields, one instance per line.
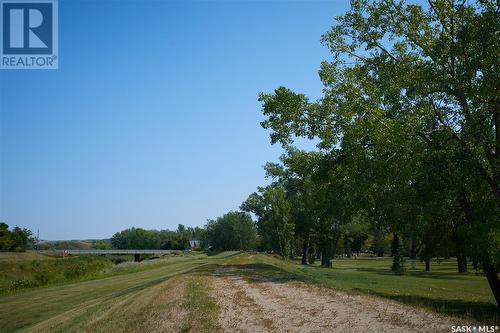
x=152, y=118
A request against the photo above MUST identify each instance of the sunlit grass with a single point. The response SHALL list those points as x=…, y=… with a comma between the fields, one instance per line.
x=60, y=308
x=443, y=289
x=125, y=300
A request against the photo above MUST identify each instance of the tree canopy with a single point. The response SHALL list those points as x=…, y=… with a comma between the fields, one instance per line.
x=232, y=231
x=138, y=238
x=409, y=138
x=17, y=239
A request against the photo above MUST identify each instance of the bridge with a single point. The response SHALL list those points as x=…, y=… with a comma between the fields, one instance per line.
x=137, y=253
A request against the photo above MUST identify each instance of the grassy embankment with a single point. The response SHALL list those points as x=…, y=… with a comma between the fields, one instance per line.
x=172, y=294
x=27, y=270
x=126, y=301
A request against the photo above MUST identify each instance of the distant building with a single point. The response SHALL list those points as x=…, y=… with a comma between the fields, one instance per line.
x=195, y=243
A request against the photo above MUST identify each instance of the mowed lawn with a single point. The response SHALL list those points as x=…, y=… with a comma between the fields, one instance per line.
x=71, y=307
x=177, y=288
x=444, y=290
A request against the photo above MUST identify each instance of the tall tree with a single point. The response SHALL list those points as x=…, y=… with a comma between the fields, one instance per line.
x=407, y=82
x=232, y=231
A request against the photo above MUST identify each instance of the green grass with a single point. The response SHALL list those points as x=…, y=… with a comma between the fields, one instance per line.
x=20, y=271
x=69, y=307
x=443, y=290
x=126, y=298
x=15, y=266
x=201, y=305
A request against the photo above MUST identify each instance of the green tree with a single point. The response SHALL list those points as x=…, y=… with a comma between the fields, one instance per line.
x=102, y=244
x=6, y=241
x=295, y=175
x=274, y=224
x=232, y=231
x=136, y=238
x=17, y=239
x=408, y=84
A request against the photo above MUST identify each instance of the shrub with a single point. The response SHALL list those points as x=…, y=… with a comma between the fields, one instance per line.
x=117, y=261
x=22, y=283
x=43, y=277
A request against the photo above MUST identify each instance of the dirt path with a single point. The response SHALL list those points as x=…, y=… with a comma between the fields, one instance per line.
x=252, y=304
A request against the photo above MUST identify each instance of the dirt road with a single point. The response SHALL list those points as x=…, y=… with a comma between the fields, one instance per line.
x=252, y=304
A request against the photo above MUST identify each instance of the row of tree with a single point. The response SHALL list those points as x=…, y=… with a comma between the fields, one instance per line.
x=409, y=140
x=138, y=238
x=17, y=239
x=232, y=231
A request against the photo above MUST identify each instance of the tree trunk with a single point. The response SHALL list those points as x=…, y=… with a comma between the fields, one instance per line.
x=397, y=264
x=413, y=250
x=326, y=257
x=475, y=264
x=311, y=254
x=462, y=263
x=427, y=264
x=305, y=251
x=335, y=246
x=493, y=280
x=347, y=248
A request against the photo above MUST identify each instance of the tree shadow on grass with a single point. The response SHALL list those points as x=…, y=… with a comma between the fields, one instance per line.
x=472, y=312
x=421, y=274
x=253, y=273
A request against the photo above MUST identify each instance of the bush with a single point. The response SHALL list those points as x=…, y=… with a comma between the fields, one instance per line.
x=22, y=283
x=48, y=272
x=65, y=269
x=75, y=271
x=117, y=261
x=44, y=277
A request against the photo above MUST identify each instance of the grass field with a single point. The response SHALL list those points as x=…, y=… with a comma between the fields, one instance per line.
x=14, y=265
x=442, y=290
x=27, y=270
x=177, y=289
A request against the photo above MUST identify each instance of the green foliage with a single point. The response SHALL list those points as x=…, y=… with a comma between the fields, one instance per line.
x=408, y=128
x=60, y=270
x=274, y=223
x=17, y=239
x=64, y=245
x=138, y=238
x=232, y=231
x=279, y=218
x=22, y=283
x=102, y=244
x=380, y=244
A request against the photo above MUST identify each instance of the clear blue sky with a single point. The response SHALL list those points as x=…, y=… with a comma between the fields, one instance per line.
x=152, y=118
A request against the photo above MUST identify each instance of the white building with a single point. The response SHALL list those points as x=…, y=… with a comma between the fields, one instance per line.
x=195, y=243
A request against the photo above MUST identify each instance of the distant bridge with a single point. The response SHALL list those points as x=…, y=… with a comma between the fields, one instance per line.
x=136, y=253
